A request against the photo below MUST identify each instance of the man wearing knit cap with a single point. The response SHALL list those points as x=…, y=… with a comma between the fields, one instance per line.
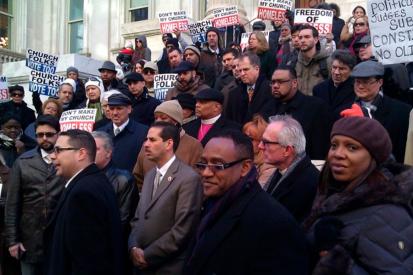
x=212, y=52
x=210, y=121
x=203, y=69
x=80, y=92
x=391, y=113
x=187, y=82
x=189, y=149
x=127, y=134
x=142, y=103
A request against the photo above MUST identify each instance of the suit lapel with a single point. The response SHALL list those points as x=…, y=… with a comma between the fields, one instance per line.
x=214, y=129
x=166, y=181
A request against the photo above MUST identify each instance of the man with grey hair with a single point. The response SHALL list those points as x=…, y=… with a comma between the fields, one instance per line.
x=294, y=183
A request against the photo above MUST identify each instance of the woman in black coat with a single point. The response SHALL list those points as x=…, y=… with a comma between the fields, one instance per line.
x=361, y=222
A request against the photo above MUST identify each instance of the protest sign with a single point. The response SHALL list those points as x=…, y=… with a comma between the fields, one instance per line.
x=44, y=83
x=162, y=83
x=4, y=90
x=391, y=29
x=172, y=20
x=322, y=20
x=41, y=62
x=244, y=39
x=198, y=30
x=273, y=9
x=82, y=119
x=224, y=17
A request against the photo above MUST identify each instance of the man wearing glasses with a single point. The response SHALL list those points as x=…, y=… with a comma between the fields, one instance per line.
x=242, y=229
x=84, y=234
x=294, y=183
x=32, y=197
x=169, y=207
x=18, y=107
x=311, y=112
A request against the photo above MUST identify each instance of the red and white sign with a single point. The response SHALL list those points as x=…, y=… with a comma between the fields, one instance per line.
x=173, y=20
x=273, y=9
x=322, y=20
x=4, y=91
x=224, y=17
x=82, y=119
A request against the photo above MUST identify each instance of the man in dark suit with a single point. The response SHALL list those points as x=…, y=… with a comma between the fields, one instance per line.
x=128, y=135
x=169, y=209
x=294, y=183
x=391, y=113
x=338, y=90
x=247, y=99
x=311, y=112
x=210, y=121
x=85, y=230
x=242, y=229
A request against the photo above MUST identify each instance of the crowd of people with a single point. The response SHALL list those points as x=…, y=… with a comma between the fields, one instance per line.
x=224, y=175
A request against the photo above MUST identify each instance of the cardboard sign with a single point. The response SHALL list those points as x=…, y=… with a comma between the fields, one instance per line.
x=224, y=17
x=198, y=30
x=44, y=83
x=41, y=62
x=322, y=20
x=172, y=20
x=391, y=29
x=82, y=119
x=244, y=39
x=4, y=90
x=162, y=83
x=273, y=9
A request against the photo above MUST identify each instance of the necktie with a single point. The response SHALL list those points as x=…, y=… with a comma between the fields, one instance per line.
x=117, y=131
x=274, y=181
x=47, y=159
x=250, y=92
x=156, y=182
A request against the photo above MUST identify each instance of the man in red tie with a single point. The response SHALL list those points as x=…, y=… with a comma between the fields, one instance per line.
x=210, y=121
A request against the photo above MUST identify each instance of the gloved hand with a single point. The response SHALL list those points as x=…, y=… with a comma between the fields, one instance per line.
x=354, y=111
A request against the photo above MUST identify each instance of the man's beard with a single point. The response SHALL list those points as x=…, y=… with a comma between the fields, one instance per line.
x=47, y=146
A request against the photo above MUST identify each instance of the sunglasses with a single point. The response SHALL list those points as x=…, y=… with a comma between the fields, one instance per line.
x=45, y=134
x=16, y=95
x=148, y=72
x=359, y=24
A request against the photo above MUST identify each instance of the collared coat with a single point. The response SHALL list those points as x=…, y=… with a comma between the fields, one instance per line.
x=84, y=235
x=163, y=225
x=127, y=143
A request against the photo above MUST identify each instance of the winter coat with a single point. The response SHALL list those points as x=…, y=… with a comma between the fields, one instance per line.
x=34, y=190
x=143, y=108
x=377, y=225
x=309, y=72
x=143, y=53
x=24, y=113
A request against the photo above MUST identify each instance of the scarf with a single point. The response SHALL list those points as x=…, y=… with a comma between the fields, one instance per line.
x=98, y=107
x=190, y=87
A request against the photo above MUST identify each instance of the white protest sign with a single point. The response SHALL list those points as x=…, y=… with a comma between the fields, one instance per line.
x=82, y=119
x=198, y=30
x=4, y=90
x=273, y=9
x=172, y=20
x=391, y=28
x=224, y=17
x=162, y=83
x=322, y=20
x=244, y=39
x=44, y=83
x=41, y=62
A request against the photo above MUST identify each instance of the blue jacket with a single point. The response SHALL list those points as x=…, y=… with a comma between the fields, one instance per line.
x=127, y=143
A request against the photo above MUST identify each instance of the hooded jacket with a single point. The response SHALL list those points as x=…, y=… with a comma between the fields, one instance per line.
x=144, y=52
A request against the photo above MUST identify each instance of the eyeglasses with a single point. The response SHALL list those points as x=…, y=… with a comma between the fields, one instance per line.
x=148, y=72
x=58, y=150
x=201, y=166
x=269, y=142
x=359, y=24
x=279, y=82
x=16, y=95
x=46, y=134
x=363, y=46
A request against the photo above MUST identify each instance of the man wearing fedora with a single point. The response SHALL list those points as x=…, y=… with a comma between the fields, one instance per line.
x=108, y=76
x=187, y=82
x=127, y=134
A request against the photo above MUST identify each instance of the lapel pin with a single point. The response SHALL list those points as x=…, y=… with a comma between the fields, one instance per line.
x=169, y=179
